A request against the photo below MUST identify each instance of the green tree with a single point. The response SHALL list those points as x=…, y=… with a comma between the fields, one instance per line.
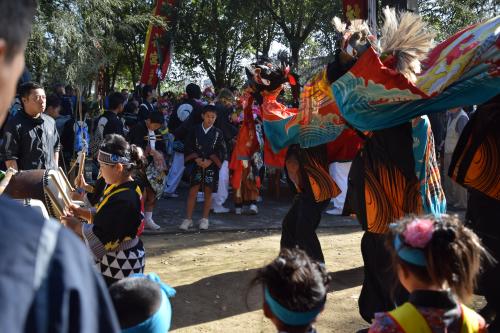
x=73, y=39
x=298, y=20
x=447, y=17
x=214, y=36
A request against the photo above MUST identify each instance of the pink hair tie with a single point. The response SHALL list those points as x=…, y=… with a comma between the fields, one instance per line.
x=419, y=232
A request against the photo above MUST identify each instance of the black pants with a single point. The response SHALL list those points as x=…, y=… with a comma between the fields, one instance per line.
x=483, y=214
x=381, y=289
x=300, y=224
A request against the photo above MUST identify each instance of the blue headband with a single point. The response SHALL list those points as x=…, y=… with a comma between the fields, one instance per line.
x=160, y=321
x=409, y=254
x=288, y=317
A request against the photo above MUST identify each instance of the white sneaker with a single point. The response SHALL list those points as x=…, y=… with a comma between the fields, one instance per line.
x=237, y=210
x=253, y=209
x=334, y=211
x=186, y=224
x=203, y=224
x=221, y=210
x=150, y=224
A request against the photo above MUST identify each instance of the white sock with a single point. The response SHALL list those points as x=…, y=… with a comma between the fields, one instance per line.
x=148, y=216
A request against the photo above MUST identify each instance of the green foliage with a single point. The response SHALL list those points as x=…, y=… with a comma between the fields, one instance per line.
x=448, y=17
x=298, y=20
x=73, y=39
x=215, y=36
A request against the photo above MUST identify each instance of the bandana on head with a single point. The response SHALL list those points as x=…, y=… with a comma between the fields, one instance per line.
x=289, y=317
x=108, y=158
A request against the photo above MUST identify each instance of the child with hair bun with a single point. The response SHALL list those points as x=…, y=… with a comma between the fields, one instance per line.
x=437, y=260
x=295, y=289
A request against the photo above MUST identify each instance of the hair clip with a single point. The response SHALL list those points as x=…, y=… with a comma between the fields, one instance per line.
x=419, y=232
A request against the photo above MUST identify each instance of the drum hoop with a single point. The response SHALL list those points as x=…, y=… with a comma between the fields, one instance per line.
x=48, y=198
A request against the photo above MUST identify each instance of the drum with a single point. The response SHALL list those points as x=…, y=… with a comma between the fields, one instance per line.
x=49, y=186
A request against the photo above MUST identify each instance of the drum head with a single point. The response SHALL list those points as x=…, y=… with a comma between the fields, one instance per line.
x=26, y=184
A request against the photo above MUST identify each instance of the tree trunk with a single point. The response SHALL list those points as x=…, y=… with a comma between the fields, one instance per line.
x=115, y=74
x=107, y=80
x=295, y=49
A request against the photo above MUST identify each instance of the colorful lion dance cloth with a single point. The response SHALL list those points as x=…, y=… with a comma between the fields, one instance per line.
x=463, y=70
x=374, y=93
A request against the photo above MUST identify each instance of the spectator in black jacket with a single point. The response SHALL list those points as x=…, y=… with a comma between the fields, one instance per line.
x=109, y=123
x=145, y=135
x=30, y=138
x=224, y=104
x=187, y=114
x=147, y=102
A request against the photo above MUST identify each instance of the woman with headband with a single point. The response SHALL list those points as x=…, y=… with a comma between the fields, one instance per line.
x=110, y=230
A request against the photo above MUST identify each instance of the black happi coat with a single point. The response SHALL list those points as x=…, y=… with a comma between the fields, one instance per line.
x=207, y=146
x=32, y=142
x=138, y=136
x=118, y=215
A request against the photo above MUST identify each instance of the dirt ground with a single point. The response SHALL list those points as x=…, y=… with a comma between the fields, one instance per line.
x=211, y=273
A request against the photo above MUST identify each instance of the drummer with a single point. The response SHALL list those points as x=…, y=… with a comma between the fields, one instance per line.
x=111, y=229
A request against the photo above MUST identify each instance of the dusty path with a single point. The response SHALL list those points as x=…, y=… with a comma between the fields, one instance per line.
x=211, y=273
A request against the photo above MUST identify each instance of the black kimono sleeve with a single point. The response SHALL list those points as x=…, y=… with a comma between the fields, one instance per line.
x=219, y=151
x=57, y=141
x=190, y=149
x=113, y=127
x=136, y=137
x=9, y=147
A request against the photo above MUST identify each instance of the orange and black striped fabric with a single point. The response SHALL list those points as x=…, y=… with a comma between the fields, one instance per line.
x=382, y=185
x=476, y=160
x=314, y=174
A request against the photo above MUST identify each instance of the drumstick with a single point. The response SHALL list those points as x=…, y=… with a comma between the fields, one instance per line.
x=82, y=164
x=66, y=180
x=6, y=179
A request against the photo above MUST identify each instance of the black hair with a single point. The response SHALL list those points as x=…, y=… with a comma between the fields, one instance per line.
x=53, y=101
x=135, y=300
x=209, y=108
x=454, y=254
x=69, y=89
x=26, y=88
x=193, y=91
x=131, y=107
x=17, y=19
x=117, y=145
x=59, y=88
x=156, y=117
x=146, y=90
x=115, y=99
x=294, y=280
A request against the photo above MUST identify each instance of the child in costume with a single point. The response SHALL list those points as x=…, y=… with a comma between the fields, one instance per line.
x=203, y=151
x=295, y=289
x=437, y=260
x=142, y=303
x=112, y=227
